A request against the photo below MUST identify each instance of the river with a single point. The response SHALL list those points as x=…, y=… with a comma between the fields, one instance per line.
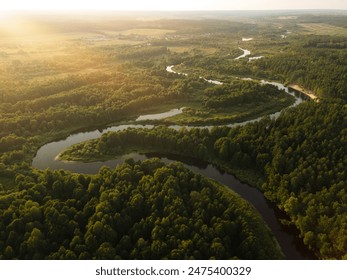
x=48, y=157
x=245, y=53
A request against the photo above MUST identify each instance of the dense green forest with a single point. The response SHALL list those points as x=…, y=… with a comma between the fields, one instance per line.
x=302, y=156
x=79, y=74
x=315, y=62
x=140, y=210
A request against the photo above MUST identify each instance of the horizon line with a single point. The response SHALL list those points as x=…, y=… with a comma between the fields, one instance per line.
x=178, y=10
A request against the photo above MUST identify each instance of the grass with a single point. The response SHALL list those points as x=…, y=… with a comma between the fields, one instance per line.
x=229, y=115
x=147, y=32
x=69, y=155
x=167, y=106
x=324, y=29
x=203, y=50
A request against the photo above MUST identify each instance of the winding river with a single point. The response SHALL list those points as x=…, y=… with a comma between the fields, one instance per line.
x=48, y=157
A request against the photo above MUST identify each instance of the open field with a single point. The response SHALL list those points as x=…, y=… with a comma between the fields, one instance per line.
x=147, y=32
x=323, y=29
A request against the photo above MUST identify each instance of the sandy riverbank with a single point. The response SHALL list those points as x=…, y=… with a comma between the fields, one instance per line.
x=305, y=91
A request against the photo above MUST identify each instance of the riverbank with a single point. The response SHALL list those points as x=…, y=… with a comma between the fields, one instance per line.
x=311, y=94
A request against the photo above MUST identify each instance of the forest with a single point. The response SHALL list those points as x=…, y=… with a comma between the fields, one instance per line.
x=302, y=162
x=77, y=75
x=140, y=210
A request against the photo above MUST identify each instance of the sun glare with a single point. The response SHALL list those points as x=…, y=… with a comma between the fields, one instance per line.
x=160, y=5
x=12, y=26
x=136, y=5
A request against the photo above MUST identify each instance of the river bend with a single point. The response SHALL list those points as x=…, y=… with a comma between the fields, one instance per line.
x=48, y=157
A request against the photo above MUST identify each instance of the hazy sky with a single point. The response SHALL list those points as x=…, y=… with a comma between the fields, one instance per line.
x=170, y=5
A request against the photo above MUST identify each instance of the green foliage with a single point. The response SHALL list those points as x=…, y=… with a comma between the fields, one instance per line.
x=84, y=83
x=321, y=70
x=168, y=212
x=195, y=144
x=241, y=92
x=302, y=156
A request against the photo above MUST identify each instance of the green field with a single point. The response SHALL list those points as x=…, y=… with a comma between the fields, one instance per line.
x=148, y=32
x=323, y=29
